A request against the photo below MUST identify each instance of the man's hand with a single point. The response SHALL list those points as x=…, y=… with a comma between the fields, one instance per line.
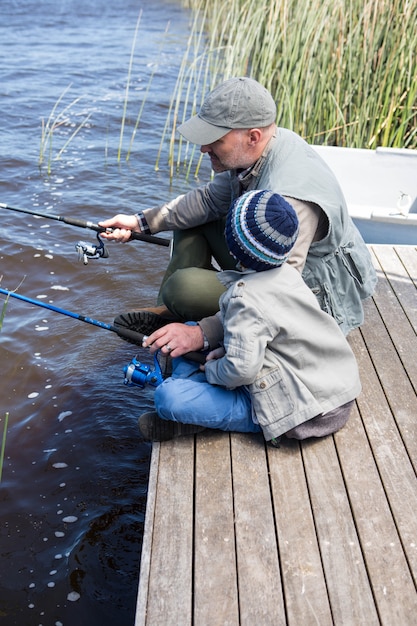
x=175, y=339
x=122, y=226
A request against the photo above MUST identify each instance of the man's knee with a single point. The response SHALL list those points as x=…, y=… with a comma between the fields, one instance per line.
x=192, y=293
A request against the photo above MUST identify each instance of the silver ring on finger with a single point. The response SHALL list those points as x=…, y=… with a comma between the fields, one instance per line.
x=168, y=348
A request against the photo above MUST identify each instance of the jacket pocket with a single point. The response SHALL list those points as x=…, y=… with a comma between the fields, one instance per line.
x=271, y=399
x=326, y=301
x=359, y=265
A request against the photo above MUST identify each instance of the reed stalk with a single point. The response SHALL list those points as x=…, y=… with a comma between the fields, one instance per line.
x=47, y=129
x=3, y=312
x=55, y=121
x=343, y=72
x=142, y=106
x=6, y=417
x=3, y=443
x=129, y=74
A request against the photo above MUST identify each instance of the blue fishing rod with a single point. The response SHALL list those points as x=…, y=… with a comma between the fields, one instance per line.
x=136, y=373
x=85, y=250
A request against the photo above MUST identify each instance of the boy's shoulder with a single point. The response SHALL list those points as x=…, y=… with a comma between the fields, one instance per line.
x=285, y=274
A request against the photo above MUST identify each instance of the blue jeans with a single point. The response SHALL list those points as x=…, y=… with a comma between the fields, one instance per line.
x=187, y=397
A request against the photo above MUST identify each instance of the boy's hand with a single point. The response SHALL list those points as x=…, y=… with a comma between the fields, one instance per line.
x=213, y=355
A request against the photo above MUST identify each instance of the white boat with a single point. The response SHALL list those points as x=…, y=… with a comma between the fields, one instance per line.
x=380, y=187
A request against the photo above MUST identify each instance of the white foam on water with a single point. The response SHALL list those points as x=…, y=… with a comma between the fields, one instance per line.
x=70, y=519
x=60, y=465
x=63, y=415
x=73, y=596
x=34, y=394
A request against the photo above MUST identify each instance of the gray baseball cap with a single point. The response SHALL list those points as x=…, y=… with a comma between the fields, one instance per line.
x=237, y=103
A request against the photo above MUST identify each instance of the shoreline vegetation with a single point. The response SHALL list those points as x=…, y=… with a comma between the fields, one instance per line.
x=343, y=72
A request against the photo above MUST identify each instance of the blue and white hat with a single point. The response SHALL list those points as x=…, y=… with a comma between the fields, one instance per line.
x=261, y=229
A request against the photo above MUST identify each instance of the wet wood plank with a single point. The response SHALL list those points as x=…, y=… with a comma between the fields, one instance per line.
x=322, y=532
x=168, y=543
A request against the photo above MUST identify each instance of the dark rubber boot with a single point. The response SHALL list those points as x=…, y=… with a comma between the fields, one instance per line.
x=153, y=428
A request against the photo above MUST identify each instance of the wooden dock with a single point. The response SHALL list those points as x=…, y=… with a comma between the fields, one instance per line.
x=240, y=533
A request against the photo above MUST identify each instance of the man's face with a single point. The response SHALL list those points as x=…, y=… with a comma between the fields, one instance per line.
x=230, y=152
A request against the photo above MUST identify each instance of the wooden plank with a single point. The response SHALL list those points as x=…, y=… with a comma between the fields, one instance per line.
x=304, y=585
x=397, y=385
x=347, y=580
x=145, y=559
x=169, y=600
x=386, y=564
x=388, y=359
x=259, y=579
x=215, y=586
x=396, y=300
x=408, y=256
x=394, y=466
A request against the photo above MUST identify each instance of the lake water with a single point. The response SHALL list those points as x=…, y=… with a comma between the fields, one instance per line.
x=74, y=478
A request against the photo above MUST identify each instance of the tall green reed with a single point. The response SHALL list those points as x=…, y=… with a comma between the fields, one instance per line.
x=57, y=120
x=6, y=417
x=343, y=72
x=3, y=443
x=129, y=74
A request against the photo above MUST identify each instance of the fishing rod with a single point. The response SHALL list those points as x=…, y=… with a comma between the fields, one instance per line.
x=86, y=251
x=136, y=373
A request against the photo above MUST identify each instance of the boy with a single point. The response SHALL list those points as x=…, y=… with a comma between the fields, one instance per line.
x=285, y=367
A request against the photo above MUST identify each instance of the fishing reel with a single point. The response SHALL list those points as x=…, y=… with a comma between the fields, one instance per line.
x=91, y=251
x=139, y=374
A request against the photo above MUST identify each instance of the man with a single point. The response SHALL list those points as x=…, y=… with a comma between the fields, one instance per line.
x=236, y=128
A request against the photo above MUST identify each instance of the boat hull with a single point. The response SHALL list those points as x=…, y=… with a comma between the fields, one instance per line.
x=380, y=187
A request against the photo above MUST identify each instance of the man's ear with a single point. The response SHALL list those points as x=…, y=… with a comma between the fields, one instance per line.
x=254, y=136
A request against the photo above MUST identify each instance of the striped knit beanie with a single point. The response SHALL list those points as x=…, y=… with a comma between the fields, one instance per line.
x=261, y=229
